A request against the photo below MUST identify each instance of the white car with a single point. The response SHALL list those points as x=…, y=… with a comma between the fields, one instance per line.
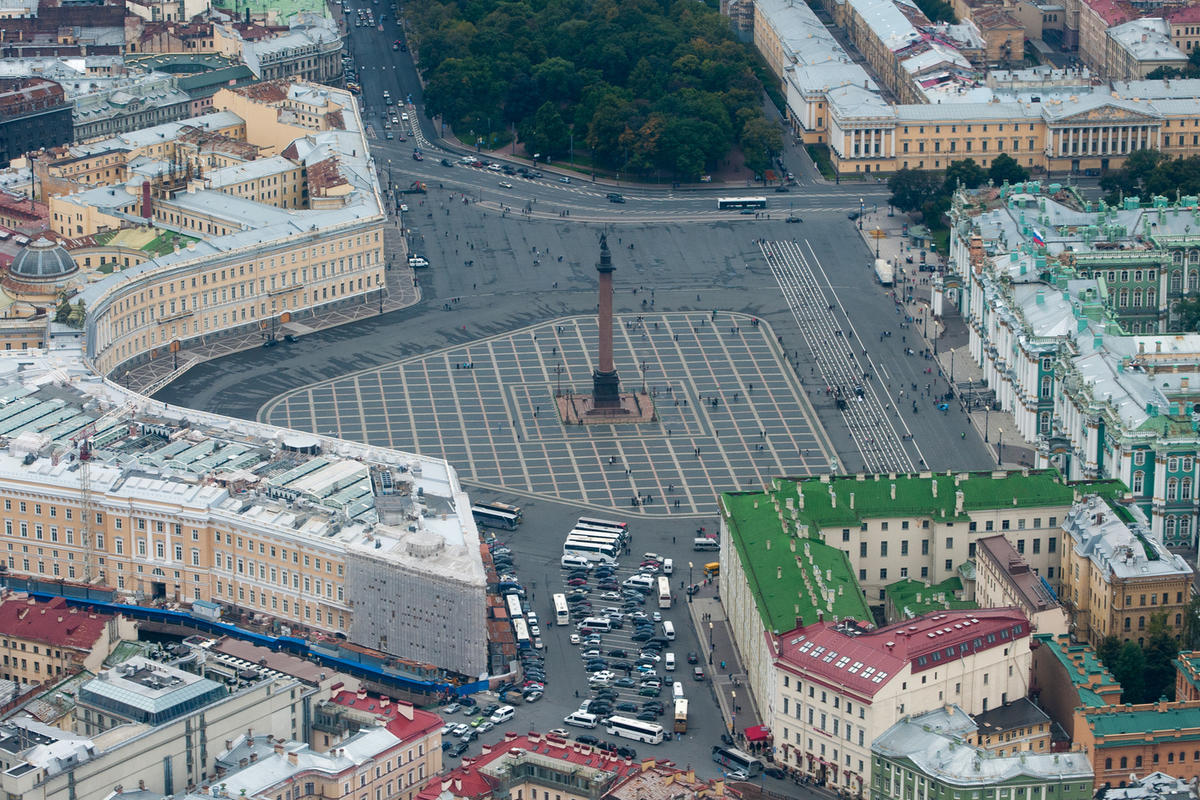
x=603, y=676
x=495, y=167
x=558, y=732
x=446, y=729
x=574, y=638
x=737, y=775
x=505, y=185
x=532, y=618
x=404, y=207
x=538, y=644
x=656, y=616
x=535, y=631
x=652, y=557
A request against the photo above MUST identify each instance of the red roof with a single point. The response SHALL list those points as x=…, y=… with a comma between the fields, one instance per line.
x=52, y=622
x=466, y=780
x=864, y=661
x=1110, y=11
x=405, y=721
x=1185, y=15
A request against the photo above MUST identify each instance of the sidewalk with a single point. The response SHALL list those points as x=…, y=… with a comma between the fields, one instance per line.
x=402, y=290
x=729, y=685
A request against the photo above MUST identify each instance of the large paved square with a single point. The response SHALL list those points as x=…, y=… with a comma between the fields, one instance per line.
x=730, y=413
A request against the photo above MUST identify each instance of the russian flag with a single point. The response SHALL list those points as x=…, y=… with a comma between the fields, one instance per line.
x=1037, y=238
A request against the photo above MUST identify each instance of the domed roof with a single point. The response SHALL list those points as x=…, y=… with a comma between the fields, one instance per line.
x=43, y=260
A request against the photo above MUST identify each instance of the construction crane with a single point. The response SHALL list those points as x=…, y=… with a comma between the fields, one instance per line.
x=84, y=453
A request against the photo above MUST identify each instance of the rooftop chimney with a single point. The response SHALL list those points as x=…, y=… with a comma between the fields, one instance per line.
x=147, y=208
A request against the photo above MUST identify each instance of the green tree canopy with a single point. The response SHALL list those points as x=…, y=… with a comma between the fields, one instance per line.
x=912, y=189
x=1130, y=672
x=1005, y=168
x=646, y=84
x=966, y=172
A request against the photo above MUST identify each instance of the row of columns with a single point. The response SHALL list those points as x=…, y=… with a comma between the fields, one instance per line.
x=1104, y=139
x=871, y=142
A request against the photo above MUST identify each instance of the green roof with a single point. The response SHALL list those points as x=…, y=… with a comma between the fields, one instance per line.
x=915, y=495
x=1187, y=665
x=753, y=520
x=1147, y=721
x=787, y=583
x=904, y=597
x=1081, y=664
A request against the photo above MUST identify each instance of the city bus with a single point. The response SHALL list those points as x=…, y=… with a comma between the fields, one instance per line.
x=732, y=758
x=514, y=606
x=522, y=631
x=681, y=715
x=727, y=203
x=503, y=508
x=590, y=550
x=712, y=569
x=648, y=732
x=490, y=518
x=562, y=614
x=664, y=591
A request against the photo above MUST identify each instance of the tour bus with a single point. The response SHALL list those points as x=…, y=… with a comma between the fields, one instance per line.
x=664, y=592
x=649, y=732
x=502, y=507
x=681, y=709
x=562, y=615
x=522, y=631
x=705, y=543
x=732, y=758
x=617, y=536
x=726, y=203
x=490, y=518
x=514, y=606
x=604, y=523
x=598, y=538
x=591, y=551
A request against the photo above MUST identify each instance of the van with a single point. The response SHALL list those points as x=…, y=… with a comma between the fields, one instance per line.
x=669, y=629
x=505, y=713
x=668, y=567
x=639, y=582
x=677, y=690
x=581, y=719
x=601, y=624
x=575, y=562
x=697, y=673
x=705, y=543
x=418, y=262
x=669, y=662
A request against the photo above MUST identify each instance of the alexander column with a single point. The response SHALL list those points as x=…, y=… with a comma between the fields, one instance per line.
x=606, y=386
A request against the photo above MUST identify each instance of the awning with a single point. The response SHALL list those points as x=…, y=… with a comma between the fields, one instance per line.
x=757, y=733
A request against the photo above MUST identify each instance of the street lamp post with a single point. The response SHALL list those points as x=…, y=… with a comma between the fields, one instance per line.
x=689, y=586
x=732, y=710
x=1000, y=448
x=710, y=644
x=986, y=409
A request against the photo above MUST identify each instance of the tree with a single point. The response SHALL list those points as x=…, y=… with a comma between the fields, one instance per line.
x=547, y=134
x=1109, y=649
x=1187, y=312
x=1005, y=168
x=1130, y=672
x=1161, y=649
x=912, y=189
x=1191, y=625
x=63, y=311
x=760, y=141
x=965, y=172
x=76, y=317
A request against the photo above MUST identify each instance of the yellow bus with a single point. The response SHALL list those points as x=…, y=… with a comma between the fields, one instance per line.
x=712, y=569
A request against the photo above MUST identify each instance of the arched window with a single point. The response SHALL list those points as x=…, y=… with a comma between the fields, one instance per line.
x=1124, y=301
x=1139, y=479
x=1185, y=489
x=1124, y=762
x=1047, y=386
x=1185, y=528
x=1172, y=488
x=1176, y=281
x=1137, y=297
x=1141, y=627
x=1193, y=279
x=1151, y=297
x=1108, y=763
x=1170, y=527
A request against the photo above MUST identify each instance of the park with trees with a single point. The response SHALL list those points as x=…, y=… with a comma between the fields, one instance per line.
x=660, y=89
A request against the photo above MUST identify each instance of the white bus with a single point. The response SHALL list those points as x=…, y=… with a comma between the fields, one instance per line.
x=596, y=536
x=522, y=631
x=681, y=709
x=732, y=758
x=502, y=507
x=514, y=606
x=562, y=614
x=649, y=732
x=491, y=518
x=604, y=523
x=664, y=591
x=623, y=538
x=592, y=551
